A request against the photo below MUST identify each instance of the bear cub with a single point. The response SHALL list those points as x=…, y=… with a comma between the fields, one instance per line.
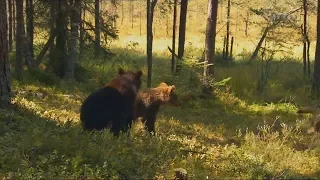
x=149, y=101
x=113, y=105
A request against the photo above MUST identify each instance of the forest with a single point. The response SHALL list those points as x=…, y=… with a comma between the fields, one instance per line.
x=159, y=89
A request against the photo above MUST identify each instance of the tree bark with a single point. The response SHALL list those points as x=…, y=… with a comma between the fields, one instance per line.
x=173, y=61
x=316, y=72
x=304, y=38
x=228, y=31
x=73, y=42
x=82, y=31
x=182, y=32
x=131, y=12
x=182, y=27
x=10, y=25
x=264, y=35
x=19, y=40
x=14, y=19
x=60, y=50
x=150, y=10
x=53, y=9
x=97, y=28
x=210, y=37
x=247, y=23
x=5, y=86
x=30, y=27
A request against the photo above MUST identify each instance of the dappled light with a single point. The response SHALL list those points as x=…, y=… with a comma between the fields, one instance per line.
x=249, y=117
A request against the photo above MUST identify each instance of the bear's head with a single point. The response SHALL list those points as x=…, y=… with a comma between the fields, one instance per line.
x=169, y=95
x=127, y=82
x=132, y=78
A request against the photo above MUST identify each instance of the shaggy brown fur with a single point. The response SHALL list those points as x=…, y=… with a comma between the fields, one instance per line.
x=149, y=101
x=315, y=111
x=112, y=106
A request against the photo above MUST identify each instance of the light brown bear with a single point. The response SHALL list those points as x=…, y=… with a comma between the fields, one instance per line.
x=149, y=101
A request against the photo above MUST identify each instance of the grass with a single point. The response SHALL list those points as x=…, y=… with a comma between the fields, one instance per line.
x=232, y=134
x=237, y=132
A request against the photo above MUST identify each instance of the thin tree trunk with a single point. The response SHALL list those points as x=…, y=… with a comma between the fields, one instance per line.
x=231, y=48
x=81, y=43
x=247, y=23
x=97, y=28
x=140, y=19
x=122, y=12
x=53, y=9
x=14, y=19
x=132, y=9
x=228, y=31
x=45, y=48
x=19, y=40
x=29, y=17
x=73, y=42
x=10, y=25
x=173, y=61
x=182, y=30
x=308, y=58
x=264, y=35
x=210, y=38
x=316, y=72
x=224, y=48
x=61, y=50
x=305, y=38
x=5, y=86
x=150, y=10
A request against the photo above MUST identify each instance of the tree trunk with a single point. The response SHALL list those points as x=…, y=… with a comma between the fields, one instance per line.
x=30, y=27
x=10, y=25
x=316, y=72
x=60, y=50
x=228, y=31
x=14, y=19
x=73, y=42
x=19, y=40
x=247, y=23
x=306, y=42
x=182, y=32
x=264, y=35
x=82, y=31
x=231, y=48
x=122, y=12
x=53, y=9
x=131, y=12
x=5, y=87
x=308, y=59
x=182, y=27
x=97, y=28
x=210, y=38
x=150, y=10
x=305, y=38
x=140, y=19
x=173, y=61
x=45, y=48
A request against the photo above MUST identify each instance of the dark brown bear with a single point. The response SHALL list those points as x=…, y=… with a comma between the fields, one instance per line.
x=112, y=106
x=149, y=101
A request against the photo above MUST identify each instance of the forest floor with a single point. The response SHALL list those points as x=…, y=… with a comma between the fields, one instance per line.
x=234, y=133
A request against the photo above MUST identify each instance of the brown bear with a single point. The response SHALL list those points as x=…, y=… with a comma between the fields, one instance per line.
x=315, y=111
x=149, y=101
x=113, y=105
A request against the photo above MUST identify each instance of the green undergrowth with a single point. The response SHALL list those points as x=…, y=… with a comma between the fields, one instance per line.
x=233, y=133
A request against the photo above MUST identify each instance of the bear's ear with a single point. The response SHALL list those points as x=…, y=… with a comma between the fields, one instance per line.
x=171, y=89
x=120, y=71
x=139, y=74
x=162, y=84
